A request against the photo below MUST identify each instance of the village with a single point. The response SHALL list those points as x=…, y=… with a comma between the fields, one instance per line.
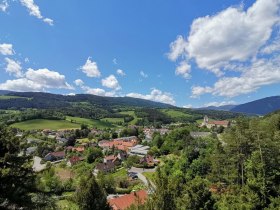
x=124, y=156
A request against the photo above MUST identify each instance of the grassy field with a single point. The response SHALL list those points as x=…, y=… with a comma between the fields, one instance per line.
x=113, y=120
x=149, y=175
x=67, y=204
x=40, y=124
x=121, y=173
x=131, y=113
x=90, y=122
x=175, y=113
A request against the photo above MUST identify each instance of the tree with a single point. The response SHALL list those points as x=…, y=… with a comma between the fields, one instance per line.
x=89, y=195
x=93, y=154
x=17, y=179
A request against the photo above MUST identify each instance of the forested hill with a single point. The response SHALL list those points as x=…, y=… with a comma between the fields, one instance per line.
x=261, y=106
x=42, y=100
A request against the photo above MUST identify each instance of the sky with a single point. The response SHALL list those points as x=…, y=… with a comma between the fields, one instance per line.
x=192, y=53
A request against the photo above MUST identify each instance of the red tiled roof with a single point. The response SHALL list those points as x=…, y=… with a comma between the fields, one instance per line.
x=74, y=159
x=219, y=122
x=58, y=154
x=124, y=202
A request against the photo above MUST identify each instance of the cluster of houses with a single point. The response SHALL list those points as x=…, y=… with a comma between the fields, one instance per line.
x=149, y=132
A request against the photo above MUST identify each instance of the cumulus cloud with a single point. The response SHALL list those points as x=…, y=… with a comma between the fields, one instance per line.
x=111, y=82
x=4, y=5
x=6, y=49
x=120, y=72
x=143, y=74
x=184, y=70
x=260, y=73
x=90, y=68
x=13, y=67
x=233, y=35
x=37, y=80
x=79, y=82
x=188, y=106
x=155, y=95
x=34, y=10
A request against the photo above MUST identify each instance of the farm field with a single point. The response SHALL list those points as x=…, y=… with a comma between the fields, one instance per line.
x=90, y=122
x=112, y=120
x=40, y=124
x=131, y=113
x=175, y=113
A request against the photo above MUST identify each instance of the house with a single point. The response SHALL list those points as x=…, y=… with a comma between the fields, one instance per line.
x=113, y=159
x=123, y=144
x=199, y=134
x=126, y=201
x=61, y=140
x=149, y=160
x=55, y=156
x=74, y=160
x=78, y=149
x=104, y=167
x=216, y=123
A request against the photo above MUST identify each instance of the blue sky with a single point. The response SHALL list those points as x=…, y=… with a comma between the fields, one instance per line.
x=187, y=53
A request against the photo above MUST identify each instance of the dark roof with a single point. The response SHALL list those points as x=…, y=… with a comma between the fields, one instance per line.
x=105, y=166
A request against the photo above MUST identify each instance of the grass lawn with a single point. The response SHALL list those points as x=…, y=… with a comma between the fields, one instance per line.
x=131, y=113
x=64, y=173
x=175, y=113
x=40, y=124
x=113, y=120
x=149, y=175
x=66, y=204
x=120, y=173
x=90, y=122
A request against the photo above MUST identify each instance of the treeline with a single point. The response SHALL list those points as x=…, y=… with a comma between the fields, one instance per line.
x=241, y=170
x=31, y=114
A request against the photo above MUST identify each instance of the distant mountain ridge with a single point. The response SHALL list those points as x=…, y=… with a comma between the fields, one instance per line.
x=259, y=107
x=48, y=100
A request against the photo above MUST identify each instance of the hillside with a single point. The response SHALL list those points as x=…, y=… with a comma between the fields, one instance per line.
x=260, y=107
x=42, y=100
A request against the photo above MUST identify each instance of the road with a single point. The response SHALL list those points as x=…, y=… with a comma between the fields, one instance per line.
x=37, y=166
x=139, y=172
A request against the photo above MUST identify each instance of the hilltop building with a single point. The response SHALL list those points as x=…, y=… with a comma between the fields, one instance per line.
x=215, y=123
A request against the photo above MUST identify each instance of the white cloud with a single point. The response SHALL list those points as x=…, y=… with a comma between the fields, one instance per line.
x=90, y=68
x=21, y=85
x=13, y=67
x=4, y=5
x=6, y=49
x=188, y=106
x=217, y=104
x=111, y=82
x=143, y=74
x=34, y=10
x=273, y=47
x=260, y=73
x=37, y=80
x=233, y=35
x=155, y=95
x=48, y=21
x=184, y=70
x=79, y=82
x=99, y=91
x=120, y=72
